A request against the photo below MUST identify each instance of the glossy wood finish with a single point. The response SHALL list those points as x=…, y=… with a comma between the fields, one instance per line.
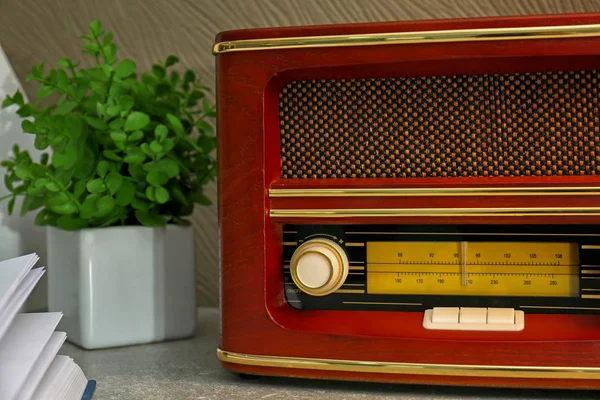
x=255, y=318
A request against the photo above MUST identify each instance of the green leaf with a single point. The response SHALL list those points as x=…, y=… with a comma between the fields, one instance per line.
x=96, y=27
x=43, y=92
x=161, y=132
x=169, y=167
x=206, y=107
x=79, y=189
x=57, y=200
x=110, y=50
x=111, y=155
x=118, y=136
x=96, y=123
x=189, y=76
x=125, y=193
x=71, y=223
x=113, y=111
x=28, y=126
x=140, y=204
x=171, y=60
x=113, y=182
x=176, y=124
x=136, y=135
x=41, y=142
x=204, y=126
x=23, y=172
x=149, y=219
x=150, y=193
x=64, y=209
x=65, y=108
x=105, y=205
x=40, y=218
x=155, y=147
x=44, y=159
x=31, y=203
x=66, y=159
x=135, y=156
x=124, y=69
x=161, y=194
x=125, y=103
x=53, y=187
x=178, y=195
x=89, y=208
x=87, y=161
x=136, y=120
x=11, y=205
x=116, y=124
x=96, y=186
x=102, y=168
x=146, y=149
x=193, y=98
x=157, y=178
x=64, y=62
x=168, y=144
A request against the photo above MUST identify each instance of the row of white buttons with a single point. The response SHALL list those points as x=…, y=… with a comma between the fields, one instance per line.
x=474, y=319
x=468, y=315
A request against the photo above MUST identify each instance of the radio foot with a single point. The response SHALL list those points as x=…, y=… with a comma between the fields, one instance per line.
x=248, y=376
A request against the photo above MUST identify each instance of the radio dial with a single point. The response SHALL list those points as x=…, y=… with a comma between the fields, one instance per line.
x=319, y=266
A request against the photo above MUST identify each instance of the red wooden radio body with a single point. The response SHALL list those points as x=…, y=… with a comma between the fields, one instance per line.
x=362, y=140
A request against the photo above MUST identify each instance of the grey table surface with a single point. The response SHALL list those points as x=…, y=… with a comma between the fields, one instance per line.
x=188, y=369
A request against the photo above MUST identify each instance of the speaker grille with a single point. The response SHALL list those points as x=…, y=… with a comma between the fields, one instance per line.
x=529, y=124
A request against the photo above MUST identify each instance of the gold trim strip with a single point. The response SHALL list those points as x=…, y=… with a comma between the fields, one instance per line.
x=590, y=296
x=382, y=303
x=590, y=247
x=489, y=371
x=290, y=243
x=351, y=244
x=590, y=271
x=391, y=38
x=454, y=191
x=436, y=212
x=562, y=308
x=350, y=291
x=478, y=233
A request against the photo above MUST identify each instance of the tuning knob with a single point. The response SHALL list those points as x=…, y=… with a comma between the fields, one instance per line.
x=319, y=266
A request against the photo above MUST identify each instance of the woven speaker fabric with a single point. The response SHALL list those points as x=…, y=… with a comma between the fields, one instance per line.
x=528, y=124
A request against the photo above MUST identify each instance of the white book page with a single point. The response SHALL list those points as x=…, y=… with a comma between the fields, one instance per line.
x=41, y=366
x=12, y=273
x=20, y=348
x=54, y=379
x=18, y=298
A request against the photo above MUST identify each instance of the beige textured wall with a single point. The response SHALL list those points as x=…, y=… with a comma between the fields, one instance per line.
x=148, y=30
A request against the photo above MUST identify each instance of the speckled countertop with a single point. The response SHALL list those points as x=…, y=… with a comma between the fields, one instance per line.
x=189, y=370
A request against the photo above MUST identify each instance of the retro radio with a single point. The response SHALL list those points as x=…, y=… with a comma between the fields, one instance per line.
x=412, y=202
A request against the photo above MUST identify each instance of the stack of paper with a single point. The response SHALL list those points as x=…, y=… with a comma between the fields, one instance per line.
x=30, y=367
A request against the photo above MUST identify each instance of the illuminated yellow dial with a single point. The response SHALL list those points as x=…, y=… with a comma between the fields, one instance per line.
x=473, y=268
x=319, y=267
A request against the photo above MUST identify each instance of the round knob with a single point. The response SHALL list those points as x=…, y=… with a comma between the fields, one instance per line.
x=319, y=266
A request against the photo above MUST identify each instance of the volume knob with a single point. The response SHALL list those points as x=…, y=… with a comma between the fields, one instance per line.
x=319, y=266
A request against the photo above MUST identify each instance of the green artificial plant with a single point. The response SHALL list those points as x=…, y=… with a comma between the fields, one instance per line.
x=119, y=147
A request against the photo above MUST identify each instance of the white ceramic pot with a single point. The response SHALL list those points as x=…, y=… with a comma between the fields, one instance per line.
x=123, y=285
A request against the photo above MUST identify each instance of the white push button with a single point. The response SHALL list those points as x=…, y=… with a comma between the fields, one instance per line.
x=444, y=315
x=501, y=316
x=473, y=315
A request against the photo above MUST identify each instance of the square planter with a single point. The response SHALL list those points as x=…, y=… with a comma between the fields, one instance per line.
x=123, y=285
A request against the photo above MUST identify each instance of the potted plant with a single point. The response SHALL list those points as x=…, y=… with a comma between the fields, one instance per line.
x=125, y=157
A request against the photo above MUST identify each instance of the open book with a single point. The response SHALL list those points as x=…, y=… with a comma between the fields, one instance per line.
x=30, y=366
